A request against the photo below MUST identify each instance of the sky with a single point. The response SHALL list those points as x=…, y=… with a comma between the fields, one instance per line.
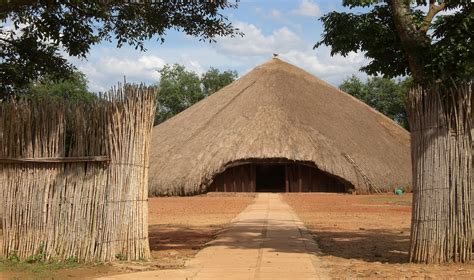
x=287, y=27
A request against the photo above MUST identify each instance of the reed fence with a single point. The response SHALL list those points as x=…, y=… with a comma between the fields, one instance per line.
x=74, y=177
x=440, y=123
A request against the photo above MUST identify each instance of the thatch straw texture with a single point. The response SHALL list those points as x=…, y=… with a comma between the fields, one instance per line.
x=74, y=177
x=279, y=111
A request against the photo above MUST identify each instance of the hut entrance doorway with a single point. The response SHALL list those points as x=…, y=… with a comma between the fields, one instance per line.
x=270, y=177
x=267, y=176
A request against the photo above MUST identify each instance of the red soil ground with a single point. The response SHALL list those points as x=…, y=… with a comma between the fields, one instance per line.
x=365, y=236
x=180, y=226
x=360, y=236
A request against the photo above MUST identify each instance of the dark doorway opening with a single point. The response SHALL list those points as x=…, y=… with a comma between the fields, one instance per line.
x=270, y=178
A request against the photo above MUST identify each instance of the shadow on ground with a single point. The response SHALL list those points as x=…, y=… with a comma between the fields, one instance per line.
x=371, y=245
x=179, y=237
x=367, y=245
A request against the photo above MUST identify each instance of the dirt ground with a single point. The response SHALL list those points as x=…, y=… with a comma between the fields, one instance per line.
x=179, y=227
x=360, y=236
x=365, y=236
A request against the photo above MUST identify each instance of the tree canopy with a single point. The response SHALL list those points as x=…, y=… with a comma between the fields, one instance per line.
x=74, y=87
x=36, y=34
x=388, y=96
x=400, y=39
x=213, y=80
x=180, y=88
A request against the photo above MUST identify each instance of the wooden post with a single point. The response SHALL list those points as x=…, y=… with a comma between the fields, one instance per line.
x=242, y=178
x=252, y=178
x=225, y=182
x=287, y=183
x=233, y=181
x=300, y=183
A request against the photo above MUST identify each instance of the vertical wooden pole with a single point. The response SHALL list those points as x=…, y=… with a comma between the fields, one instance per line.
x=300, y=183
x=242, y=178
x=246, y=181
x=252, y=178
x=233, y=180
x=237, y=178
x=226, y=176
x=287, y=183
x=220, y=183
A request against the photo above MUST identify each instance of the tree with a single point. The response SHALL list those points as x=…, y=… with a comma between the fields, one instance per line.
x=34, y=33
x=73, y=88
x=213, y=80
x=444, y=53
x=180, y=88
x=436, y=51
x=387, y=96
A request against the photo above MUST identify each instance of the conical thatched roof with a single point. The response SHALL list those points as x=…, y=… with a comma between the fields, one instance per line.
x=278, y=111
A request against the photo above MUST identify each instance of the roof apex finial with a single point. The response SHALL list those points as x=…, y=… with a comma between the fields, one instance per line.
x=275, y=55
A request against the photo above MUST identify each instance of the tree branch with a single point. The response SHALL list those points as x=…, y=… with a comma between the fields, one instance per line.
x=432, y=11
x=409, y=37
x=6, y=40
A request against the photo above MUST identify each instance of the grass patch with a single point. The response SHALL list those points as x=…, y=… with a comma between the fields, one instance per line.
x=402, y=200
x=31, y=265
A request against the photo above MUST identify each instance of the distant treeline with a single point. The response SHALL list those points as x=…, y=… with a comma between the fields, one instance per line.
x=388, y=96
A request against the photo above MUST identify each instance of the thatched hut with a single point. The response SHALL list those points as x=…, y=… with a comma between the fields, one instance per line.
x=279, y=128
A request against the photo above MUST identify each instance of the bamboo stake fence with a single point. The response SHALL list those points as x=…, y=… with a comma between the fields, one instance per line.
x=442, y=174
x=73, y=177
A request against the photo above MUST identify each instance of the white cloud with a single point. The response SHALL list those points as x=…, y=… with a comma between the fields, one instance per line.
x=256, y=47
x=150, y=62
x=193, y=65
x=110, y=69
x=106, y=65
x=307, y=8
x=274, y=13
x=255, y=43
x=330, y=68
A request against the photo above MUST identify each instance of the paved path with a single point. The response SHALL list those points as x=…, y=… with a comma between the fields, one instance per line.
x=265, y=241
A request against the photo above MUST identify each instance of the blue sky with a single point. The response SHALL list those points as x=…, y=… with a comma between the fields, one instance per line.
x=287, y=27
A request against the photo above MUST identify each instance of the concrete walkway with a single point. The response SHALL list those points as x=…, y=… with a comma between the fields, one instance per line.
x=265, y=241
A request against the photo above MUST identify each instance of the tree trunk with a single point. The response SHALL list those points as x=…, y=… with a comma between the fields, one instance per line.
x=442, y=170
x=413, y=41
